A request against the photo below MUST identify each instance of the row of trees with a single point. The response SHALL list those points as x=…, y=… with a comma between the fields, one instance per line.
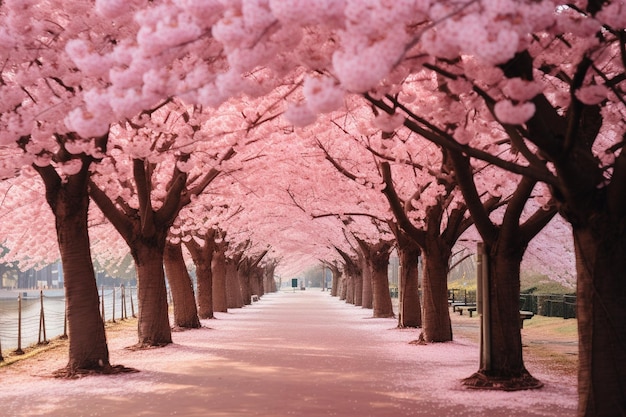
x=405, y=123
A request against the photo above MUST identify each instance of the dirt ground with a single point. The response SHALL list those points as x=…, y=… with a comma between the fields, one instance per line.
x=549, y=342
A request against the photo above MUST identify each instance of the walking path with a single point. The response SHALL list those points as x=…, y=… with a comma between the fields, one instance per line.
x=300, y=353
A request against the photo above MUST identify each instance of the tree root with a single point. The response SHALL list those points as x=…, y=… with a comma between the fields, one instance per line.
x=419, y=341
x=486, y=382
x=75, y=373
x=147, y=346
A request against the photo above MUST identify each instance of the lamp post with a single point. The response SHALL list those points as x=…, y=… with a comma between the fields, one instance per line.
x=483, y=305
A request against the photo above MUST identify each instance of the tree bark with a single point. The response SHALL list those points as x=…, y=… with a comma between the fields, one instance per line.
x=202, y=255
x=218, y=271
x=357, y=288
x=601, y=297
x=380, y=284
x=376, y=260
x=437, y=325
x=153, y=319
x=269, y=284
x=256, y=281
x=367, y=296
x=410, y=314
x=336, y=279
x=350, y=289
x=504, y=285
x=343, y=286
x=185, y=310
x=244, y=278
x=234, y=298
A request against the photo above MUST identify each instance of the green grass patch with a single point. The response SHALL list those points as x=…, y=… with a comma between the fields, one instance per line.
x=553, y=325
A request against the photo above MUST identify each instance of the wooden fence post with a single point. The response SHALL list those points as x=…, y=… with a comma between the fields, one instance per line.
x=113, y=303
x=102, y=303
x=42, y=321
x=19, y=350
x=132, y=305
x=123, y=303
x=64, y=335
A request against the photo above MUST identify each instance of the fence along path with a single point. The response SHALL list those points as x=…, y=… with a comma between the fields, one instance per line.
x=30, y=317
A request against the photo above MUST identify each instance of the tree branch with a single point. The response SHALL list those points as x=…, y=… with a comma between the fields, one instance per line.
x=465, y=180
x=396, y=207
x=121, y=222
x=336, y=164
x=438, y=137
x=144, y=188
x=207, y=179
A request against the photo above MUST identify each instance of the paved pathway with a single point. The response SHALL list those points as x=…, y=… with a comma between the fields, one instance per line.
x=299, y=353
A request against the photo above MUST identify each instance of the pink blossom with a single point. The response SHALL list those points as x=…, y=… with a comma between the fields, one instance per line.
x=299, y=115
x=521, y=90
x=322, y=94
x=85, y=124
x=613, y=14
x=514, y=114
x=388, y=122
x=71, y=167
x=592, y=94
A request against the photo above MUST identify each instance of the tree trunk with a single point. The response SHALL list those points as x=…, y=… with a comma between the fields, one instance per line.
x=375, y=259
x=601, y=297
x=256, y=275
x=202, y=255
x=154, y=327
x=234, y=298
x=506, y=368
x=380, y=285
x=87, y=341
x=244, y=278
x=367, y=297
x=269, y=284
x=69, y=202
x=437, y=324
x=410, y=306
x=343, y=290
x=218, y=271
x=357, y=282
x=506, y=339
x=185, y=310
x=334, y=291
x=350, y=289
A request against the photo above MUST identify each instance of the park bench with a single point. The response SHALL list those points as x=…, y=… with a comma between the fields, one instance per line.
x=458, y=304
x=470, y=308
x=523, y=315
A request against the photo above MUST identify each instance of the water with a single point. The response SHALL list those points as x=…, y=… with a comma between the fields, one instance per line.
x=53, y=314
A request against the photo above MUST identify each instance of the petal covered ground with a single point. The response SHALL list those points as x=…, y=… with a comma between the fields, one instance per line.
x=299, y=353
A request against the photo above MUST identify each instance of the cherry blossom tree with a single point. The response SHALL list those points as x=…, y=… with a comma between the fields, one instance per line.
x=548, y=72
x=40, y=89
x=152, y=161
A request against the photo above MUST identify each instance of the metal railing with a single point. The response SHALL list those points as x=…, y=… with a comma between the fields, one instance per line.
x=550, y=305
